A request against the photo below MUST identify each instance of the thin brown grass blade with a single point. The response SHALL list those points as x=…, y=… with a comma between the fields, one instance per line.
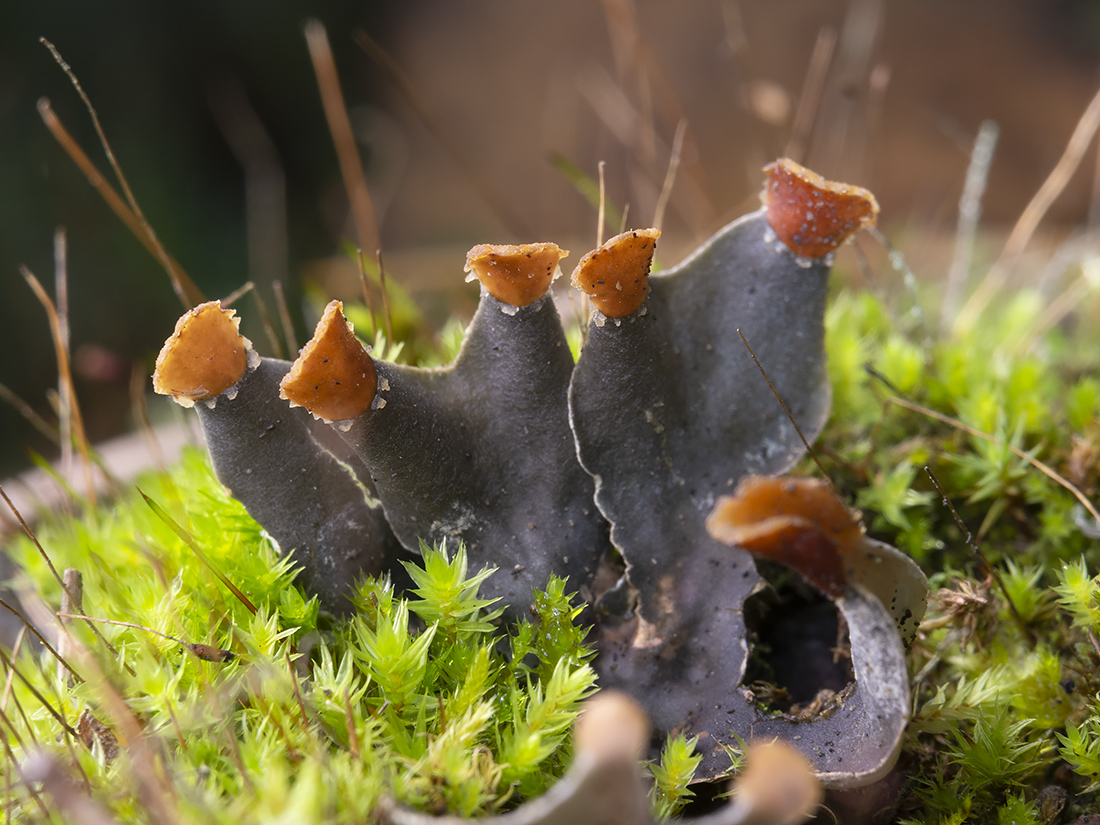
x=182, y=285
x=159, y=251
x=65, y=378
x=347, y=152
x=1034, y=462
x=1033, y=213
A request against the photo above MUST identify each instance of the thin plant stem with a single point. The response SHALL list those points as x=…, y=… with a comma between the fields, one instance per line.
x=184, y=287
x=284, y=316
x=670, y=175
x=65, y=377
x=970, y=212
x=990, y=570
x=64, y=387
x=339, y=125
x=366, y=292
x=45, y=556
x=1034, y=462
x=139, y=377
x=790, y=416
x=386, y=316
x=810, y=98
x=28, y=412
x=42, y=639
x=1029, y=219
x=159, y=251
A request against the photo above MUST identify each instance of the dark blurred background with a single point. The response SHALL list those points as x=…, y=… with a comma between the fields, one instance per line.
x=503, y=87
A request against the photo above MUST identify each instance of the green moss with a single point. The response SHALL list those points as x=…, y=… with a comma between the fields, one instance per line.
x=311, y=717
x=672, y=775
x=429, y=699
x=1004, y=691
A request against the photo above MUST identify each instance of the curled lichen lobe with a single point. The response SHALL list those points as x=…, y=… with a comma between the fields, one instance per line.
x=616, y=275
x=205, y=355
x=515, y=274
x=813, y=216
x=334, y=377
x=798, y=522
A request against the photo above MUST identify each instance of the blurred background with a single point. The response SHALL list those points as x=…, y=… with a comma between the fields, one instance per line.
x=475, y=122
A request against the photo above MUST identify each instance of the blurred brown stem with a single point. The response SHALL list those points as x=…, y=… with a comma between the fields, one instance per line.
x=347, y=151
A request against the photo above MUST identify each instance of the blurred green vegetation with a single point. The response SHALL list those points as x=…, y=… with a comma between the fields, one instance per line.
x=152, y=71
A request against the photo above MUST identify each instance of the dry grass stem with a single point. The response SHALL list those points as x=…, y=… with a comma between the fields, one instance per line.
x=353, y=733
x=147, y=230
x=989, y=570
x=297, y=691
x=28, y=412
x=153, y=790
x=970, y=212
x=268, y=325
x=265, y=319
x=284, y=316
x=11, y=760
x=54, y=712
x=189, y=540
x=45, y=557
x=808, y=101
x=139, y=377
x=603, y=204
x=1029, y=219
x=387, y=317
x=42, y=640
x=15, y=648
x=65, y=378
x=367, y=302
x=237, y=294
x=265, y=207
x=72, y=601
x=790, y=417
x=182, y=284
x=347, y=151
x=64, y=387
x=1034, y=462
x=1062, y=306
x=670, y=175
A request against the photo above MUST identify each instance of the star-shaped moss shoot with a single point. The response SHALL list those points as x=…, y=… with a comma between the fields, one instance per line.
x=616, y=275
x=480, y=450
x=291, y=473
x=670, y=412
x=811, y=215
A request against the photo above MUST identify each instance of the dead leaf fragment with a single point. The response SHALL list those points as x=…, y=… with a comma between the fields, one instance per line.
x=91, y=731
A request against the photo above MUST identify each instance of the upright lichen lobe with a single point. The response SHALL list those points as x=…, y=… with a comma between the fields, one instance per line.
x=515, y=274
x=205, y=355
x=813, y=216
x=334, y=376
x=616, y=276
